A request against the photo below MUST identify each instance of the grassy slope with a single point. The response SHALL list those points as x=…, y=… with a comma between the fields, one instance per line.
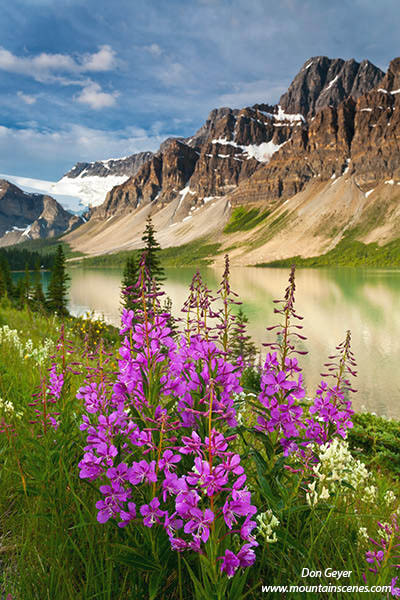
x=52, y=545
x=199, y=252
x=348, y=253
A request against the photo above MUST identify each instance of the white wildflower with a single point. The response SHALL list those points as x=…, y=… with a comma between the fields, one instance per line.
x=363, y=537
x=267, y=522
x=338, y=471
x=389, y=498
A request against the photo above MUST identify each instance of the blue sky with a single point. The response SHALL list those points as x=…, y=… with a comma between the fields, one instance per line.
x=83, y=80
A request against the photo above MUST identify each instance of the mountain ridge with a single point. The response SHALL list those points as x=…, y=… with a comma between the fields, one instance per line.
x=31, y=216
x=338, y=121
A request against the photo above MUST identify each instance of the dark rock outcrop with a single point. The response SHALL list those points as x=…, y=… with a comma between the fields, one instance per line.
x=31, y=216
x=323, y=82
x=114, y=166
x=268, y=153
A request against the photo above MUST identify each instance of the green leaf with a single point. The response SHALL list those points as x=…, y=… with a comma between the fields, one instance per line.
x=200, y=592
x=154, y=584
x=130, y=556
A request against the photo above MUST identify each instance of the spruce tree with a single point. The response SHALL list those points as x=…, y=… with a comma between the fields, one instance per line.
x=39, y=299
x=3, y=290
x=129, y=279
x=240, y=342
x=6, y=275
x=152, y=249
x=57, y=293
x=27, y=283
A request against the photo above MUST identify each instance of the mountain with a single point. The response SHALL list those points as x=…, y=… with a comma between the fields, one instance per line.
x=321, y=163
x=91, y=181
x=326, y=82
x=26, y=216
x=86, y=184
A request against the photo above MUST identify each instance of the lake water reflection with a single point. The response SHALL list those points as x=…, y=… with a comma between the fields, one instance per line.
x=331, y=300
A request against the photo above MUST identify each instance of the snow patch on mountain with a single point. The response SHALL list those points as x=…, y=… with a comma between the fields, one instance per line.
x=74, y=194
x=261, y=152
x=91, y=190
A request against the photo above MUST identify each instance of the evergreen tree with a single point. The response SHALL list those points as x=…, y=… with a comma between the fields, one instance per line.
x=240, y=342
x=3, y=290
x=152, y=249
x=27, y=283
x=129, y=279
x=57, y=293
x=39, y=299
x=6, y=276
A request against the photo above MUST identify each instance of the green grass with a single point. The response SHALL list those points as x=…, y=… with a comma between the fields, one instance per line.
x=52, y=546
x=244, y=219
x=348, y=253
x=199, y=252
x=47, y=246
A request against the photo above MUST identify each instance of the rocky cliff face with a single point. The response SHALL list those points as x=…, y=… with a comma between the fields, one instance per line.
x=31, y=216
x=113, y=166
x=326, y=82
x=228, y=149
x=260, y=153
x=358, y=136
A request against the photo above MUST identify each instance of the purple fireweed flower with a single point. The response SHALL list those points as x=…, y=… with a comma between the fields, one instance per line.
x=111, y=505
x=173, y=485
x=178, y=544
x=246, y=555
x=213, y=480
x=127, y=515
x=171, y=525
x=237, y=507
x=247, y=528
x=56, y=382
x=371, y=556
x=191, y=444
x=219, y=443
x=127, y=318
x=395, y=591
x=131, y=420
x=91, y=466
x=271, y=361
x=186, y=501
x=142, y=471
x=230, y=563
x=231, y=464
x=108, y=452
x=92, y=396
x=151, y=513
x=273, y=383
x=119, y=474
x=199, y=523
x=169, y=461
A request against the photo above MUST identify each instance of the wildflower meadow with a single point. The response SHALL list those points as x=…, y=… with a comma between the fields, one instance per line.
x=170, y=460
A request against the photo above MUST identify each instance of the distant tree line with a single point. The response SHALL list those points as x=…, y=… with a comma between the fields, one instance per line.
x=19, y=259
x=28, y=289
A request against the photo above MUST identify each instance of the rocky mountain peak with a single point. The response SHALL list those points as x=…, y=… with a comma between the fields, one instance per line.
x=391, y=80
x=126, y=166
x=323, y=81
x=31, y=216
x=213, y=121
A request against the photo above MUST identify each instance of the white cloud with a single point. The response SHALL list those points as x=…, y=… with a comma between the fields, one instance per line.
x=154, y=49
x=93, y=95
x=172, y=73
x=48, y=150
x=45, y=67
x=103, y=60
x=28, y=99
